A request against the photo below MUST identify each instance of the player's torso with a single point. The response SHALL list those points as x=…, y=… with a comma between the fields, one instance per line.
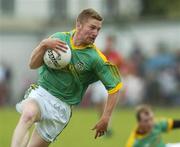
x=82, y=61
x=71, y=81
x=151, y=140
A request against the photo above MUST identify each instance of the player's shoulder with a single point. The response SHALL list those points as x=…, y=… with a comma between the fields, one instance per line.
x=161, y=119
x=159, y=122
x=64, y=36
x=98, y=54
x=58, y=34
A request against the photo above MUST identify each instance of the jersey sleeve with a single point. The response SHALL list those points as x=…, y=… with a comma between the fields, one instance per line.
x=59, y=35
x=166, y=125
x=108, y=74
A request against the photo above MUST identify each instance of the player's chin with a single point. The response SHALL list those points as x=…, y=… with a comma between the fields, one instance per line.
x=91, y=41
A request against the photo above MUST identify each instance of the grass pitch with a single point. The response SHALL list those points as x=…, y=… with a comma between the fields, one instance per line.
x=79, y=134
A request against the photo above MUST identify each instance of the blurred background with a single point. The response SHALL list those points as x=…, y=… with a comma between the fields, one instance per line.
x=146, y=36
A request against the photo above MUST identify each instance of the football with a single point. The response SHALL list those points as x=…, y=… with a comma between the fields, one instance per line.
x=55, y=60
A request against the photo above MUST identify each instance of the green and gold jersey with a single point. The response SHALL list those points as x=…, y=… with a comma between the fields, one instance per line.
x=153, y=139
x=87, y=65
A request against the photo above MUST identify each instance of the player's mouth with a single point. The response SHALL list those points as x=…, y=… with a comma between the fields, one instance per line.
x=92, y=39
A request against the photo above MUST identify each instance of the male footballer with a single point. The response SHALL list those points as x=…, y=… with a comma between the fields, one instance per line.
x=47, y=103
x=148, y=133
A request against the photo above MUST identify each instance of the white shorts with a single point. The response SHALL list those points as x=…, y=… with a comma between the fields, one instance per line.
x=55, y=114
x=173, y=145
x=98, y=92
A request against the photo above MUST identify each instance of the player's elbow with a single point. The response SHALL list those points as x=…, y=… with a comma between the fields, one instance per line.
x=33, y=66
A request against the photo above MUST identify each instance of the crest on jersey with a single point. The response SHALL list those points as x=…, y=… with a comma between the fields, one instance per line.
x=79, y=66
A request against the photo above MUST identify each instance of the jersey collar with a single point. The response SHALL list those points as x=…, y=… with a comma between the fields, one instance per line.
x=140, y=136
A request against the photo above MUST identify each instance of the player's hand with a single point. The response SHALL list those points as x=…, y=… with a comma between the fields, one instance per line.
x=54, y=44
x=101, y=127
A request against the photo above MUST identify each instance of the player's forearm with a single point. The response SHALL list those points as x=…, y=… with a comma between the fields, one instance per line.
x=36, y=59
x=110, y=105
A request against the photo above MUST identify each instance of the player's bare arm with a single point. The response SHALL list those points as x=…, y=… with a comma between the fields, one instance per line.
x=36, y=59
x=102, y=125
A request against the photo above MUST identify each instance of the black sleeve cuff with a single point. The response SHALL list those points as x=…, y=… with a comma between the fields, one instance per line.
x=176, y=124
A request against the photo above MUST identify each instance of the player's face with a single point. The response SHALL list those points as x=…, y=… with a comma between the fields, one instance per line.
x=89, y=30
x=146, y=122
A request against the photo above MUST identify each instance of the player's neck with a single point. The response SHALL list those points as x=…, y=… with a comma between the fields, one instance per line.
x=77, y=40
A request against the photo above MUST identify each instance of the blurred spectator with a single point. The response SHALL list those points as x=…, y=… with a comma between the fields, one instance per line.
x=5, y=77
x=177, y=68
x=177, y=76
x=168, y=85
x=134, y=87
x=160, y=71
x=152, y=94
x=137, y=58
x=133, y=80
x=162, y=59
x=111, y=53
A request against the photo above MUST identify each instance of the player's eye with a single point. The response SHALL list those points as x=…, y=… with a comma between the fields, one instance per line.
x=92, y=27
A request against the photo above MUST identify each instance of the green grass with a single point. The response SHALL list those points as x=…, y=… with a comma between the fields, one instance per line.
x=79, y=134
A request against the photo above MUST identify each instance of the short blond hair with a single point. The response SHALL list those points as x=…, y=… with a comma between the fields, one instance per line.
x=88, y=13
x=146, y=109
